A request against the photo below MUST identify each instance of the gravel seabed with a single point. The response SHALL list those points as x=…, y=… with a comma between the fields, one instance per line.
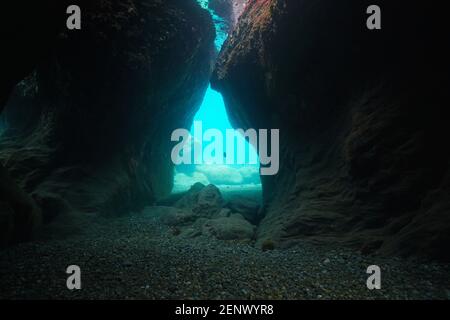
x=136, y=257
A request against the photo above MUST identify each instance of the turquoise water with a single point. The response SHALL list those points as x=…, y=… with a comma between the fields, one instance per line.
x=213, y=115
x=220, y=24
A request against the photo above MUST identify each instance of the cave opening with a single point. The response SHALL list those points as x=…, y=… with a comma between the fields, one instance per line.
x=234, y=171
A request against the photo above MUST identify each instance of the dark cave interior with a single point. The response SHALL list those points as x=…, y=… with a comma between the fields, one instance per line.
x=85, y=150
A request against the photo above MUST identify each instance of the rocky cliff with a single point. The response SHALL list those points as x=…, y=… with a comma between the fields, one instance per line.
x=362, y=115
x=89, y=127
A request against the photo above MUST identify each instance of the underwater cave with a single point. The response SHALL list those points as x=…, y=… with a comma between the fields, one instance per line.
x=115, y=158
x=227, y=174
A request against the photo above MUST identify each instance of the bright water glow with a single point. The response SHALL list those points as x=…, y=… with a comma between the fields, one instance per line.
x=213, y=115
x=3, y=125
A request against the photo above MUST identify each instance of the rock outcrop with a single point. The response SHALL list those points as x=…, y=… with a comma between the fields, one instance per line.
x=174, y=217
x=363, y=158
x=101, y=102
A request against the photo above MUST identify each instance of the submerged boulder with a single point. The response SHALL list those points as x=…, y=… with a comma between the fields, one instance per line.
x=201, y=211
x=361, y=122
x=102, y=101
x=190, y=198
x=204, y=201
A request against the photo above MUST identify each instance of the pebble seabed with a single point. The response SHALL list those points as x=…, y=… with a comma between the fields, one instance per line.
x=136, y=257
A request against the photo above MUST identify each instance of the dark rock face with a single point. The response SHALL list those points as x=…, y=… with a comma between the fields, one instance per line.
x=362, y=119
x=102, y=102
x=21, y=50
x=247, y=207
x=28, y=29
x=19, y=214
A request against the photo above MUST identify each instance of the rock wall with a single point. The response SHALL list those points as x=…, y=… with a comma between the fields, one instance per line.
x=363, y=156
x=89, y=127
x=231, y=10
